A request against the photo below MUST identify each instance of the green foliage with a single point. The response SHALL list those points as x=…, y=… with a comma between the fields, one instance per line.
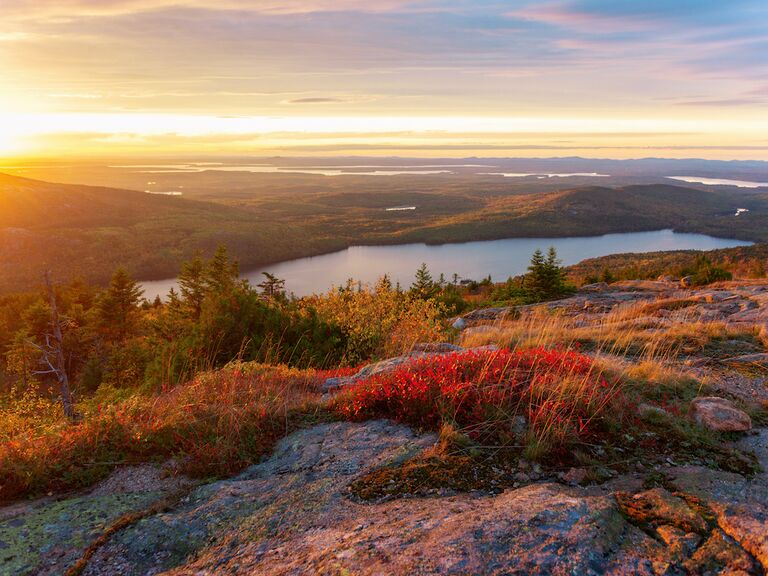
x=117, y=340
x=118, y=307
x=546, y=278
x=423, y=285
x=510, y=292
x=379, y=321
x=705, y=272
x=273, y=287
x=193, y=284
x=743, y=262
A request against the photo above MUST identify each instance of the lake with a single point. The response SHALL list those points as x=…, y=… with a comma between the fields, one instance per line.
x=475, y=260
x=720, y=181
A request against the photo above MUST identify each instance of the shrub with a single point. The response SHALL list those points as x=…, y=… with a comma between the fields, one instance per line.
x=215, y=425
x=243, y=325
x=379, y=322
x=560, y=393
x=705, y=272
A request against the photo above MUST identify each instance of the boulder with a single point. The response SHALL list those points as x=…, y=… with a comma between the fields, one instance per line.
x=686, y=281
x=292, y=515
x=719, y=414
x=459, y=324
x=488, y=314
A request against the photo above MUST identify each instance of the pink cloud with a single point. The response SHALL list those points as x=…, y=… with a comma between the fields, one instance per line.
x=563, y=14
x=68, y=10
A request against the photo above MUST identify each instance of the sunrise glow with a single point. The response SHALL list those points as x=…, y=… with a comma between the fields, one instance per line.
x=404, y=77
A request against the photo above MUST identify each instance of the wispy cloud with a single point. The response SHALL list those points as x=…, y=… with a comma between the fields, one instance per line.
x=67, y=10
x=460, y=59
x=314, y=100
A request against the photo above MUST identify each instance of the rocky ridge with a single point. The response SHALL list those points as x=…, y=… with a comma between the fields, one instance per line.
x=294, y=513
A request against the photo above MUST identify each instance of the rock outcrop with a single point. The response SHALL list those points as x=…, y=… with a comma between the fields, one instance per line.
x=719, y=414
x=294, y=514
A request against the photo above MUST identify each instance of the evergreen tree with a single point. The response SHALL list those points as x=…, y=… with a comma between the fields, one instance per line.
x=555, y=273
x=221, y=273
x=272, y=287
x=545, y=278
x=193, y=285
x=119, y=305
x=535, y=281
x=606, y=276
x=423, y=286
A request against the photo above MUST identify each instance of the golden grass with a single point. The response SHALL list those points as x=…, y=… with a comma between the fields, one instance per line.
x=631, y=341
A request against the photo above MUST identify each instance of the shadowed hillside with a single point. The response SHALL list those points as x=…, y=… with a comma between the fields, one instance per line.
x=88, y=231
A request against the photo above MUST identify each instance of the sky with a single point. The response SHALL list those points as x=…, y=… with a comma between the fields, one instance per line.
x=426, y=78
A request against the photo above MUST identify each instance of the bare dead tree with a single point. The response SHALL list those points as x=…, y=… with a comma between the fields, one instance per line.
x=52, y=353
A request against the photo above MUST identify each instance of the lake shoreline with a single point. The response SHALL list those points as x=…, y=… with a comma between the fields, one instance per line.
x=355, y=256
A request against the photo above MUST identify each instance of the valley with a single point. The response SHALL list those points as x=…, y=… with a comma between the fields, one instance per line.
x=278, y=215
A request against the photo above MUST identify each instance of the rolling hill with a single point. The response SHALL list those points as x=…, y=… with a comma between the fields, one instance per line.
x=594, y=210
x=85, y=231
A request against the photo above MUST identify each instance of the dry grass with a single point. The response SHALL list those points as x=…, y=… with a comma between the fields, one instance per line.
x=631, y=343
x=214, y=425
x=627, y=331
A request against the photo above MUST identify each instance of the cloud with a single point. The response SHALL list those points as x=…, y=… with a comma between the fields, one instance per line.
x=599, y=16
x=314, y=100
x=69, y=10
x=77, y=95
x=687, y=59
x=724, y=103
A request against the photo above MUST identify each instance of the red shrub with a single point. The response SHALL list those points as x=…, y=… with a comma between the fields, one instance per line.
x=559, y=392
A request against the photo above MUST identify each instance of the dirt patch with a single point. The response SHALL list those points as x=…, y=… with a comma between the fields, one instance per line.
x=431, y=474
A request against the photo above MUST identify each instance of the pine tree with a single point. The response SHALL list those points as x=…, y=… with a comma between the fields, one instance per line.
x=423, y=286
x=272, y=287
x=545, y=278
x=384, y=285
x=555, y=274
x=193, y=285
x=221, y=273
x=119, y=305
x=535, y=281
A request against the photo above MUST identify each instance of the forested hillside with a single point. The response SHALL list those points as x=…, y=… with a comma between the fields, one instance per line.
x=83, y=231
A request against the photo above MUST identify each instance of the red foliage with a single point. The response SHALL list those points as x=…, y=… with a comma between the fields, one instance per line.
x=559, y=392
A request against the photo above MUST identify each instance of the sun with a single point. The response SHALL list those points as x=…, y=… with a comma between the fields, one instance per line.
x=11, y=141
